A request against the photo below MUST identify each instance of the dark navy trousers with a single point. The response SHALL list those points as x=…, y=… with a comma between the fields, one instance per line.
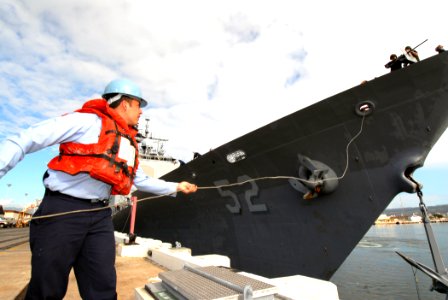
x=82, y=241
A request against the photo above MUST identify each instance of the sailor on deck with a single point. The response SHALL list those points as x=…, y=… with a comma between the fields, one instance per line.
x=439, y=49
x=411, y=56
x=395, y=63
x=98, y=157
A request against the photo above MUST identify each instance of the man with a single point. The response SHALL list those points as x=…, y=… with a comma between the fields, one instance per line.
x=440, y=49
x=411, y=56
x=395, y=63
x=98, y=158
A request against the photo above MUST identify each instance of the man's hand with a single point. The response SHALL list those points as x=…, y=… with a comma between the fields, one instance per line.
x=186, y=187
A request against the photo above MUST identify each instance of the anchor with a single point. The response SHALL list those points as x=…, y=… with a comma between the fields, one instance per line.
x=315, y=178
x=439, y=275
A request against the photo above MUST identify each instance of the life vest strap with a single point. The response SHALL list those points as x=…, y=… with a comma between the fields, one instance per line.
x=119, y=165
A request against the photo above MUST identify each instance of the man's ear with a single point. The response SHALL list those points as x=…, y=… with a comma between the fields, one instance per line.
x=124, y=105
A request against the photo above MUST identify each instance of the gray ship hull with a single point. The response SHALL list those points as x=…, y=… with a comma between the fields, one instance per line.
x=266, y=226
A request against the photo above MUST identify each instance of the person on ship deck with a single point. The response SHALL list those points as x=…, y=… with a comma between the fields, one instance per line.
x=395, y=63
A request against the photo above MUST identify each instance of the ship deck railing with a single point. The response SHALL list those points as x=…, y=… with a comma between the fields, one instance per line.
x=157, y=157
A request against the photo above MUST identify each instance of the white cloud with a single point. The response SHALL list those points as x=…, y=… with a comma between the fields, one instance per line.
x=5, y=202
x=438, y=155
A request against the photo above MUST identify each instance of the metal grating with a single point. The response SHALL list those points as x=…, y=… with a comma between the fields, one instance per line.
x=194, y=286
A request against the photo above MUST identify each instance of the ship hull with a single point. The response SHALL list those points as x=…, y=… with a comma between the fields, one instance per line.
x=265, y=225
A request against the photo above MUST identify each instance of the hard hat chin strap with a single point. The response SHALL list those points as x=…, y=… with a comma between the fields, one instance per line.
x=114, y=98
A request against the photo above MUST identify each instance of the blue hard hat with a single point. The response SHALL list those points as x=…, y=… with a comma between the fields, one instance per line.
x=124, y=87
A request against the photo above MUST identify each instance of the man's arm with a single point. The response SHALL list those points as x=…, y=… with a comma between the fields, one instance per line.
x=72, y=127
x=161, y=187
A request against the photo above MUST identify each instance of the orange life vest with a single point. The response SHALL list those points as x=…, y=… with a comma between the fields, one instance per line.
x=113, y=160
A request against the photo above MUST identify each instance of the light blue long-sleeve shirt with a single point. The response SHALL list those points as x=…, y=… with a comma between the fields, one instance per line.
x=75, y=127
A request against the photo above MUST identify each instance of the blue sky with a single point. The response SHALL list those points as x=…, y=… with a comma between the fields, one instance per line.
x=196, y=61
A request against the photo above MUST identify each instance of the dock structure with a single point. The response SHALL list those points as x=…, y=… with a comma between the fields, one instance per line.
x=212, y=277
x=210, y=283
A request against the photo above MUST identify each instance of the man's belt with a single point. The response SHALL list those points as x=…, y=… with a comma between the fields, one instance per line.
x=49, y=192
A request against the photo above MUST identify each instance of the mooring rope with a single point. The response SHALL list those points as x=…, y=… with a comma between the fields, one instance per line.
x=223, y=185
